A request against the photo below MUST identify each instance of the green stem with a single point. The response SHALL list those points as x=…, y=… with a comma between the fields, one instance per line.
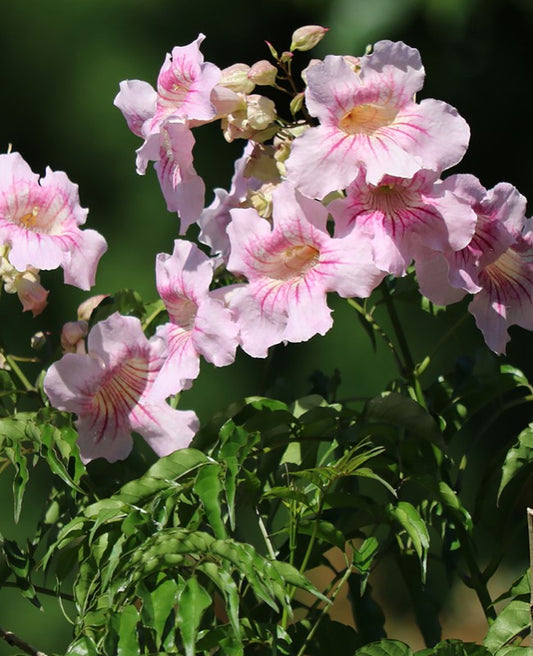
x=160, y=308
x=313, y=630
x=409, y=370
x=18, y=371
x=476, y=577
x=377, y=329
x=40, y=590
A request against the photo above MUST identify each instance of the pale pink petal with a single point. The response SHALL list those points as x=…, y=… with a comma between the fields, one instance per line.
x=166, y=430
x=185, y=84
x=137, y=102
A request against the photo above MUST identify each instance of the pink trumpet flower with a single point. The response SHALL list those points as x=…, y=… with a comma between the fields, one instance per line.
x=111, y=390
x=40, y=219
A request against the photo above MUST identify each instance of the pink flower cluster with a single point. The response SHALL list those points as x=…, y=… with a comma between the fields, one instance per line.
x=39, y=229
x=346, y=192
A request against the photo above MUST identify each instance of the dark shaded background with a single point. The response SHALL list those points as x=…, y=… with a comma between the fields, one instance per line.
x=61, y=63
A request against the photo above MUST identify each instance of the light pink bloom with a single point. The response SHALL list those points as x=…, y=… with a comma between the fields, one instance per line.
x=40, y=219
x=163, y=118
x=369, y=119
x=445, y=277
x=402, y=215
x=506, y=297
x=290, y=267
x=199, y=323
x=111, y=391
x=171, y=150
x=215, y=219
x=185, y=84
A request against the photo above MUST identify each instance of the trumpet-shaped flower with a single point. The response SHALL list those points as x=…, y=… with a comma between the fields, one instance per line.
x=184, y=85
x=506, y=296
x=402, y=215
x=40, y=219
x=199, y=323
x=111, y=390
x=290, y=267
x=447, y=276
x=368, y=119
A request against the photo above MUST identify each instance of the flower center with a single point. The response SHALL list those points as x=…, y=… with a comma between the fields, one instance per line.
x=29, y=220
x=389, y=198
x=367, y=119
x=294, y=262
x=182, y=312
x=508, y=278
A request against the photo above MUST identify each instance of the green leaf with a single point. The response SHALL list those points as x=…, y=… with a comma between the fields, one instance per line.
x=21, y=564
x=157, y=606
x=208, y=487
x=323, y=530
x=193, y=602
x=513, y=621
x=515, y=651
x=443, y=493
x=408, y=517
x=385, y=648
x=18, y=460
x=398, y=410
x=228, y=589
x=127, y=631
x=163, y=474
x=455, y=648
x=518, y=459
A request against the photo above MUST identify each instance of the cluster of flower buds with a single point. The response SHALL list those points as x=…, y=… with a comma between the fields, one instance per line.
x=345, y=190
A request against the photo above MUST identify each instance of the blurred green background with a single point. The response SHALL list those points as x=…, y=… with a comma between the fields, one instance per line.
x=61, y=63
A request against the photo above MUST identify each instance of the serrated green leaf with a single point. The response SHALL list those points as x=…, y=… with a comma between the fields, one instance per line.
x=385, y=648
x=513, y=620
x=193, y=601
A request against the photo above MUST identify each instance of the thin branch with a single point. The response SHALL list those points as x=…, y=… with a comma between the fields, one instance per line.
x=15, y=641
x=530, y=532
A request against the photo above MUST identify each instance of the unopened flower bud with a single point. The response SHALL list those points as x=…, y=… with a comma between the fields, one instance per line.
x=27, y=286
x=86, y=308
x=307, y=37
x=38, y=340
x=72, y=336
x=263, y=73
x=235, y=77
x=297, y=103
x=286, y=56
